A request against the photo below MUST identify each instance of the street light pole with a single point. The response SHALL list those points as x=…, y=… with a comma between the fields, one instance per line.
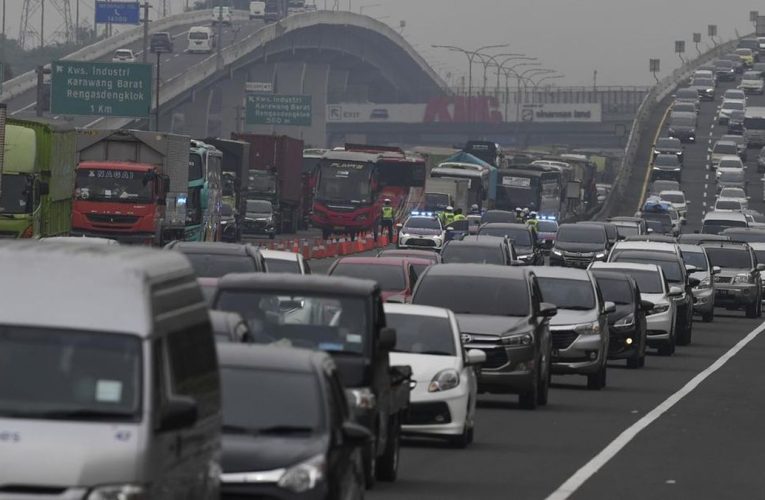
x=156, y=105
x=487, y=60
x=145, y=55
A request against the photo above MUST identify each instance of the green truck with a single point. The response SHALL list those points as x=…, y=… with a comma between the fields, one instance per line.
x=37, y=179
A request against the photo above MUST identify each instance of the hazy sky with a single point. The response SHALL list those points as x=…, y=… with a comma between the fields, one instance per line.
x=614, y=37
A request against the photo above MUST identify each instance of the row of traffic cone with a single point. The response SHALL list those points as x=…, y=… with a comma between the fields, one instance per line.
x=318, y=248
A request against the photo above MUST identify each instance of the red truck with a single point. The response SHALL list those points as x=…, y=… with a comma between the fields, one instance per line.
x=275, y=175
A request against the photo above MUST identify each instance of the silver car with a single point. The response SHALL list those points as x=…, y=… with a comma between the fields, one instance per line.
x=662, y=318
x=580, y=329
x=704, y=293
x=738, y=285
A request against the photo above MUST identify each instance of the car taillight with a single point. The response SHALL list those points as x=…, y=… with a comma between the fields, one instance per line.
x=28, y=232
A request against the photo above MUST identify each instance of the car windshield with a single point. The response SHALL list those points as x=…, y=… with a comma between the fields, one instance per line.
x=673, y=197
x=682, y=121
x=476, y=254
x=685, y=94
x=422, y=223
x=497, y=216
x=259, y=207
x=704, y=82
x=122, y=186
x=725, y=149
x=733, y=105
x=258, y=400
x=328, y=323
x=732, y=193
x=475, y=295
x=730, y=163
x=421, y=334
x=697, y=259
x=48, y=373
x=581, y=233
x=728, y=205
x=669, y=143
x=672, y=268
x=282, y=266
x=547, y=226
x=734, y=94
x=576, y=295
x=616, y=291
x=123, y=53
x=519, y=235
x=730, y=257
x=217, y=265
x=685, y=107
x=748, y=236
x=625, y=229
x=667, y=160
x=390, y=278
x=647, y=281
x=731, y=176
x=198, y=35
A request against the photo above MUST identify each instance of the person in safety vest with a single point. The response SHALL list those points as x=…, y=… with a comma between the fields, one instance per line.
x=533, y=222
x=519, y=215
x=474, y=210
x=448, y=215
x=386, y=219
x=458, y=215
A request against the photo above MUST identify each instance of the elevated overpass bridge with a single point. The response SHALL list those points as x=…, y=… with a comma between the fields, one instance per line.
x=341, y=60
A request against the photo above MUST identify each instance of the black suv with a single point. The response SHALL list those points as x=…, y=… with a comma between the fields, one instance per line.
x=500, y=311
x=578, y=245
x=214, y=260
x=473, y=250
x=161, y=42
x=523, y=238
x=666, y=167
x=668, y=146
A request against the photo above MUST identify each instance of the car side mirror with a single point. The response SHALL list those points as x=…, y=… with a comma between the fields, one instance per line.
x=716, y=269
x=399, y=225
x=547, y=310
x=181, y=412
x=450, y=228
x=387, y=339
x=396, y=299
x=517, y=262
x=650, y=231
x=675, y=291
x=355, y=435
x=646, y=305
x=475, y=357
x=694, y=282
x=609, y=307
x=761, y=267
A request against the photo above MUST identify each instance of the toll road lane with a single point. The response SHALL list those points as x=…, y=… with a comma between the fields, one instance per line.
x=529, y=454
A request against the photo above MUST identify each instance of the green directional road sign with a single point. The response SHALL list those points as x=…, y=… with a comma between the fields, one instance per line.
x=278, y=110
x=102, y=89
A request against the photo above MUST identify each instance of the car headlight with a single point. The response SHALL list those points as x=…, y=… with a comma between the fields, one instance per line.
x=659, y=308
x=743, y=278
x=518, y=339
x=403, y=235
x=601, y=255
x=304, y=476
x=362, y=398
x=444, y=380
x=628, y=320
x=705, y=283
x=118, y=492
x=588, y=328
x=525, y=257
x=557, y=252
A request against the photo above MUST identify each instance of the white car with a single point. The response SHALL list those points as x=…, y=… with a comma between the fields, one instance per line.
x=421, y=230
x=224, y=17
x=721, y=149
x=751, y=83
x=257, y=9
x=444, y=376
x=726, y=108
x=123, y=55
x=728, y=205
x=279, y=261
x=734, y=193
x=729, y=162
x=661, y=319
x=678, y=202
x=735, y=95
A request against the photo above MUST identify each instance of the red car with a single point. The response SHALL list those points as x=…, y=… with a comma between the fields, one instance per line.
x=395, y=275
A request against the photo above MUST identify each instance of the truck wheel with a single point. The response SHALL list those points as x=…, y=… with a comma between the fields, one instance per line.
x=369, y=458
x=387, y=466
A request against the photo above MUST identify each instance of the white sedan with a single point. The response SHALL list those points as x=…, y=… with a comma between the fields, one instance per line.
x=123, y=55
x=444, y=381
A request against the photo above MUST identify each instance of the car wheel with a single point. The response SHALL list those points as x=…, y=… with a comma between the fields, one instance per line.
x=642, y=361
x=751, y=310
x=369, y=457
x=633, y=362
x=708, y=317
x=461, y=440
x=528, y=400
x=387, y=466
x=543, y=388
x=596, y=381
x=685, y=334
x=668, y=349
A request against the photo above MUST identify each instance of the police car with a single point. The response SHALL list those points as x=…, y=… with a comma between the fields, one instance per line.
x=421, y=230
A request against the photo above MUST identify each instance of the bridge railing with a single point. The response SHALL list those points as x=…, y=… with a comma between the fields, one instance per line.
x=27, y=81
x=642, y=122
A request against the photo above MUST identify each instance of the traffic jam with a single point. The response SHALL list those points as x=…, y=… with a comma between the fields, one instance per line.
x=159, y=341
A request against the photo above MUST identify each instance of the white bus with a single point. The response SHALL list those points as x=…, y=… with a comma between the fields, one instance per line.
x=754, y=126
x=201, y=39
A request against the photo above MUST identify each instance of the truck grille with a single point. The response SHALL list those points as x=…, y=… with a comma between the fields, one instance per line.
x=112, y=218
x=428, y=413
x=563, y=338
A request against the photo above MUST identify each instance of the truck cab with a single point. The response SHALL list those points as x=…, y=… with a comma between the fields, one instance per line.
x=344, y=317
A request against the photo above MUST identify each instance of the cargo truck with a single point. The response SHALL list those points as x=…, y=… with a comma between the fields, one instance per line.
x=37, y=179
x=236, y=158
x=274, y=175
x=443, y=192
x=132, y=186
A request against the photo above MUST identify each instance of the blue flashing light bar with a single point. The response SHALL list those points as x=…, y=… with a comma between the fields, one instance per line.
x=422, y=214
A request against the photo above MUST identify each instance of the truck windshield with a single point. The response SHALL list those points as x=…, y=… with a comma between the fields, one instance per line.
x=196, y=171
x=56, y=374
x=436, y=202
x=16, y=195
x=332, y=324
x=123, y=186
x=343, y=181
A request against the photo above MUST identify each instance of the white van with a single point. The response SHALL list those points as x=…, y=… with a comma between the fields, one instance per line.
x=201, y=39
x=224, y=17
x=257, y=9
x=109, y=382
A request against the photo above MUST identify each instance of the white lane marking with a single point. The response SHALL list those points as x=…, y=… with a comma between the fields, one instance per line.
x=94, y=122
x=703, y=203
x=572, y=484
x=706, y=186
x=706, y=177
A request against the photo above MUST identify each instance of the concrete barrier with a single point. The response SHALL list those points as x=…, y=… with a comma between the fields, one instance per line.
x=27, y=81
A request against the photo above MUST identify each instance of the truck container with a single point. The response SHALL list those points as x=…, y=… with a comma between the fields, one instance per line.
x=274, y=174
x=443, y=192
x=132, y=186
x=37, y=179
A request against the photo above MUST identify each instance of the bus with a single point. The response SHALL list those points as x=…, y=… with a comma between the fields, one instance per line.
x=754, y=126
x=351, y=185
x=206, y=191
x=537, y=188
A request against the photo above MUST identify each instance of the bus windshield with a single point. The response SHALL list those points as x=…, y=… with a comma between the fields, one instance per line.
x=344, y=181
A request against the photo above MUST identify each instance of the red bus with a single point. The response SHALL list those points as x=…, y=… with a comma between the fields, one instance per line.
x=351, y=185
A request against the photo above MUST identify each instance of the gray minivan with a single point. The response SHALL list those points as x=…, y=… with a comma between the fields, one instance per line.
x=109, y=384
